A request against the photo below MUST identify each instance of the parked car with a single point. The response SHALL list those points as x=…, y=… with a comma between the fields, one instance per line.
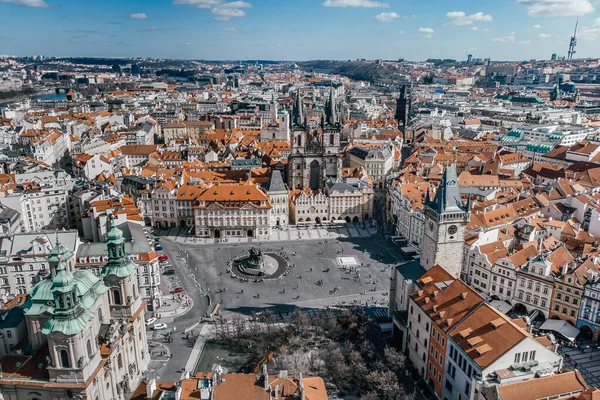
x=158, y=247
x=163, y=257
x=209, y=320
x=157, y=239
x=169, y=272
x=177, y=290
x=150, y=321
x=159, y=327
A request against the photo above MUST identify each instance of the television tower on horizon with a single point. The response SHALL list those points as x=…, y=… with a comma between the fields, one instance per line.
x=573, y=42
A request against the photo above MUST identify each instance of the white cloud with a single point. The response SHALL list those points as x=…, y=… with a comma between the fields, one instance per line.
x=504, y=39
x=28, y=3
x=486, y=29
x=355, y=3
x=225, y=11
x=536, y=26
x=138, y=16
x=590, y=33
x=545, y=35
x=230, y=29
x=234, y=4
x=387, y=17
x=426, y=30
x=428, y=36
x=225, y=14
x=402, y=32
x=460, y=18
x=455, y=14
x=474, y=28
x=524, y=42
x=557, y=8
x=199, y=3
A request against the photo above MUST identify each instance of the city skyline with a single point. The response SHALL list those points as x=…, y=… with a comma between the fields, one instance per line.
x=312, y=29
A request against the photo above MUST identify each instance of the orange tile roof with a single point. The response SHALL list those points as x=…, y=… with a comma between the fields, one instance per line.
x=447, y=305
x=546, y=387
x=496, y=341
x=231, y=194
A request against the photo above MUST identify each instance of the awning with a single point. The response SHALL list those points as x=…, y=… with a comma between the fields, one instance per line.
x=501, y=306
x=408, y=250
x=563, y=328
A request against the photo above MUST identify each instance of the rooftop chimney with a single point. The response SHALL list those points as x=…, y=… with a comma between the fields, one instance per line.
x=301, y=385
x=265, y=375
x=150, y=388
x=283, y=374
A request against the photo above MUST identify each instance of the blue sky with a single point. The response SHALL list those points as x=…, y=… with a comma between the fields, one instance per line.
x=299, y=29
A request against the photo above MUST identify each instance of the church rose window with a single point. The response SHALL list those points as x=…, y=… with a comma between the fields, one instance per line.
x=452, y=229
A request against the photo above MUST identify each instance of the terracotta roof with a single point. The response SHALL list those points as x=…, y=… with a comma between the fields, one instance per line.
x=521, y=257
x=498, y=334
x=447, y=305
x=556, y=385
x=138, y=150
x=231, y=194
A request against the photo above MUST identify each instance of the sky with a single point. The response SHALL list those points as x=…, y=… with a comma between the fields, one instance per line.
x=299, y=29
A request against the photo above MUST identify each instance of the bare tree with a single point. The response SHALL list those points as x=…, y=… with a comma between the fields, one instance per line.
x=394, y=360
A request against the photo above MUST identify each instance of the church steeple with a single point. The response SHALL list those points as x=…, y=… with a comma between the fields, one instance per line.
x=273, y=108
x=447, y=197
x=57, y=255
x=331, y=113
x=118, y=264
x=299, y=114
x=403, y=104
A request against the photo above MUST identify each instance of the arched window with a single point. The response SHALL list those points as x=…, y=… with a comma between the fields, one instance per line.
x=89, y=348
x=64, y=359
x=117, y=296
x=100, y=317
x=299, y=141
x=331, y=139
x=120, y=361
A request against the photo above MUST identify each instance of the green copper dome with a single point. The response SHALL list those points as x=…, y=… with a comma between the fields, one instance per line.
x=59, y=252
x=115, y=234
x=66, y=297
x=118, y=264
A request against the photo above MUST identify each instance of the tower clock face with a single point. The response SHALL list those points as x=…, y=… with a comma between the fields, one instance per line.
x=452, y=229
x=431, y=226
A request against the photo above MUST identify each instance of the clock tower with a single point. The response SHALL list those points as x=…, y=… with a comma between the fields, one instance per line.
x=445, y=223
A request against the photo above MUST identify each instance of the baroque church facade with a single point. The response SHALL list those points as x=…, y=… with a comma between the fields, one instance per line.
x=86, y=334
x=315, y=149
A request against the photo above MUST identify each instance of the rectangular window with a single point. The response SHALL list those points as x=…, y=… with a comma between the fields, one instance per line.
x=532, y=355
x=517, y=358
x=524, y=356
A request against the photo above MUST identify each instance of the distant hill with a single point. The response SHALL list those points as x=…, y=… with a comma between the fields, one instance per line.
x=357, y=70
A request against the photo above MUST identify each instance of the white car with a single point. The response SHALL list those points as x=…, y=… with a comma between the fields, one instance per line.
x=150, y=321
x=159, y=327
